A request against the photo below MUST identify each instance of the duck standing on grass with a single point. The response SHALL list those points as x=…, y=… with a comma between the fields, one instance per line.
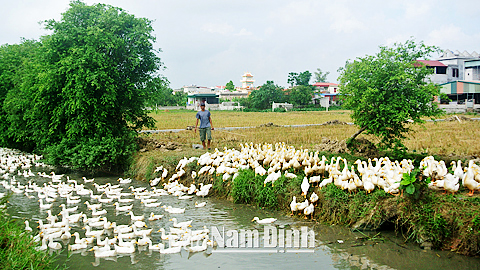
x=305, y=186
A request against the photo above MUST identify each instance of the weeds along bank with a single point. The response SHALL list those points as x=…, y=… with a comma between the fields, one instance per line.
x=17, y=247
x=271, y=176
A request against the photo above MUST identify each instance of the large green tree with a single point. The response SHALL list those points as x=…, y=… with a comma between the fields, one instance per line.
x=389, y=90
x=87, y=87
x=300, y=95
x=18, y=69
x=263, y=97
x=302, y=78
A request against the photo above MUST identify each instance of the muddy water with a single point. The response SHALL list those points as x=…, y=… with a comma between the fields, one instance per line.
x=335, y=246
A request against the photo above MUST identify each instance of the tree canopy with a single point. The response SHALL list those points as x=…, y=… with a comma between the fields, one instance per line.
x=300, y=95
x=302, y=78
x=388, y=91
x=160, y=94
x=230, y=87
x=82, y=96
x=320, y=76
x=263, y=97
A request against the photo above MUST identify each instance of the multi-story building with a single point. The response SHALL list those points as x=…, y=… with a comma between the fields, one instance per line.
x=459, y=78
x=247, y=81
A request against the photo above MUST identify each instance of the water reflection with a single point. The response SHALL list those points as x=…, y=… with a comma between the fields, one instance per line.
x=329, y=252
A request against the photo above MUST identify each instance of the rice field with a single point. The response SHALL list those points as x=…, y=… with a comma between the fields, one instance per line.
x=442, y=138
x=176, y=119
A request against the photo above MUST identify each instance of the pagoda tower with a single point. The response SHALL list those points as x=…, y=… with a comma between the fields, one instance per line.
x=247, y=81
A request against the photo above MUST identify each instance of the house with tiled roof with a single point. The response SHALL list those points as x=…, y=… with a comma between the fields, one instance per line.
x=325, y=89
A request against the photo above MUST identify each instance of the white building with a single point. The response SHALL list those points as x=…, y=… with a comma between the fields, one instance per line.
x=461, y=66
x=247, y=81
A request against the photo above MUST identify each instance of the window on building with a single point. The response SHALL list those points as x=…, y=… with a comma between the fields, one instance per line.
x=441, y=70
x=455, y=72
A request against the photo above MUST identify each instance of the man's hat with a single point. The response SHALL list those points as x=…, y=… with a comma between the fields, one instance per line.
x=202, y=104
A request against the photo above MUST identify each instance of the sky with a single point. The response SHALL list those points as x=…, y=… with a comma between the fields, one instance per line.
x=210, y=42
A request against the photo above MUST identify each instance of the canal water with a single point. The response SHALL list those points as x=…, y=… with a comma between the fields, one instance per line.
x=335, y=247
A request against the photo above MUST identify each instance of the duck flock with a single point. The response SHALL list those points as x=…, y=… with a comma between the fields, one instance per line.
x=61, y=196
x=280, y=160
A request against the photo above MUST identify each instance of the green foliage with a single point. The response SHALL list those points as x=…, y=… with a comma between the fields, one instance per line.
x=17, y=248
x=79, y=95
x=413, y=186
x=320, y=76
x=300, y=95
x=18, y=69
x=302, y=78
x=387, y=90
x=248, y=188
x=158, y=93
x=243, y=188
x=230, y=87
x=263, y=97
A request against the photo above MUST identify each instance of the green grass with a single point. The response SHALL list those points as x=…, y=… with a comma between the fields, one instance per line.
x=17, y=249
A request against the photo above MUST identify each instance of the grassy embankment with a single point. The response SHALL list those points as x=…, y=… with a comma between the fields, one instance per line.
x=447, y=221
x=17, y=249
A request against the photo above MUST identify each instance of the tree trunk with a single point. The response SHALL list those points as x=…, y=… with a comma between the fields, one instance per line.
x=357, y=133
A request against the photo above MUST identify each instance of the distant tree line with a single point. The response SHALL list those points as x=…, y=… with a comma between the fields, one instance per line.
x=78, y=95
x=300, y=92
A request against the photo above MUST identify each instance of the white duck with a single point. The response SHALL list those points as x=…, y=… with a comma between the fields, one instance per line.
x=27, y=226
x=171, y=250
x=202, y=204
x=44, y=245
x=173, y=210
x=313, y=198
x=264, y=221
x=154, y=217
x=182, y=225
x=168, y=236
x=99, y=253
x=469, y=181
x=54, y=245
x=44, y=206
x=90, y=233
x=305, y=186
x=141, y=232
x=81, y=245
x=308, y=211
x=135, y=218
x=451, y=183
x=123, y=208
x=93, y=206
x=145, y=240
x=294, y=205
x=198, y=248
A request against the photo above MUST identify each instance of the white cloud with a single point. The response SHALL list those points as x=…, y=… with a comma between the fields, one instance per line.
x=417, y=9
x=218, y=28
x=454, y=38
x=295, y=11
x=342, y=19
x=244, y=32
x=221, y=39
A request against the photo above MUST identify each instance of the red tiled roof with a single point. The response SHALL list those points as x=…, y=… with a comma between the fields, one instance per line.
x=429, y=63
x=324, y=84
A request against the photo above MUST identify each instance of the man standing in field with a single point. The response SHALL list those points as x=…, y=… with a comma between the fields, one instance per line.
x=206, y=125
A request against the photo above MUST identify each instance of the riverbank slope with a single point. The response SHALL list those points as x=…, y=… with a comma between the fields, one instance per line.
x=433, y=220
